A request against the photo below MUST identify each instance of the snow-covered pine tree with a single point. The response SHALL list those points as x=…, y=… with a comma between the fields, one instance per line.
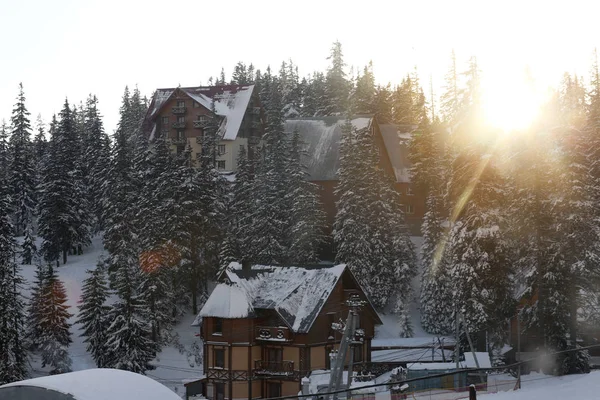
x=28, y=248
x=314, y=99
x=307, y=218
x=337, y=87
x=32, y=323
x=369, y=230
x=94, y=313
x=450, y=99
x=13, y=357
x=54, y=327
x=62, y=207
x=4, y=154
x=383, y=104
x=22, y=168
x=269, y=231
x=364, y=95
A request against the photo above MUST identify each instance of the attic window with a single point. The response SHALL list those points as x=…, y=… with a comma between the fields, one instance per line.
x=196, y=104
x=218, y=326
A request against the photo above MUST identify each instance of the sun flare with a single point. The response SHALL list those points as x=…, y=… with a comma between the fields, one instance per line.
x=510, y=104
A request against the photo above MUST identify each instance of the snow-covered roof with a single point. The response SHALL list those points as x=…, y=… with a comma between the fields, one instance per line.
x=297, y=294
x=321, y=137
x=433, y=366
x=90, y=384
x=395, y=139
x=482, y=357
x=414, y=342
x=230, y=102
x=410, y=355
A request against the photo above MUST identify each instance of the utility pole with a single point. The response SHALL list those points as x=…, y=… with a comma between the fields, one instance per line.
x=337, y=369
x=472, y=348
x=352, y=349
x=519, y=358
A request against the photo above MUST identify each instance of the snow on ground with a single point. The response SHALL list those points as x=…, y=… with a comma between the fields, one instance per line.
x=541, y=387
x=172, y=367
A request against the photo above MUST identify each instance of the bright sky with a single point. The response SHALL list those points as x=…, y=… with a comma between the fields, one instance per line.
x=63, y=48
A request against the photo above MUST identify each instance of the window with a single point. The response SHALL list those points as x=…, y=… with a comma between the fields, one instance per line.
x=274, y=355
x=219, y=359
x=410, y=209
x=328, y=357
x=409, y=191
x=202, y=118
x=181, y=119
x=196, y=104
x=219, y=391
x=165, y=121
x=273, y=389
x=218, y=326
x=242, y=147
x=221, y=149
x=181, y=135
x=221, y=164
x=180, y=103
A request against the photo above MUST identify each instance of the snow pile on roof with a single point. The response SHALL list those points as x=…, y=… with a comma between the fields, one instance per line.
x=321, y=138
x=230, y=102
x=98, y=384
x=297, y=294
x=227, y=301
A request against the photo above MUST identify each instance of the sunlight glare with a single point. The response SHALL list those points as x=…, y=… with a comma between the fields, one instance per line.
x=510, y=103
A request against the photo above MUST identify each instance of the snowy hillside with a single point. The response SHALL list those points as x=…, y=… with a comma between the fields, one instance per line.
x=172, y=366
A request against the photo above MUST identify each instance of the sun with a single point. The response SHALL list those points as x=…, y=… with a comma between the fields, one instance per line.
x=509, y=103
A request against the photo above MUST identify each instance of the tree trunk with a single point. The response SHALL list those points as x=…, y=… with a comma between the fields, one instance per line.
x=64, y=256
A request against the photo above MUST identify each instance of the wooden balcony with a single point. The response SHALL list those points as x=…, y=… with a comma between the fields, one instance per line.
x=179, y=110
x=266, y=368
x=201, y=124
x=273, y=334
x=179, y=125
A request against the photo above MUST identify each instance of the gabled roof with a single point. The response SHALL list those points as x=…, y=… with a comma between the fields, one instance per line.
x=395, y=139
x=230, y=102
x=297, y=294
x=322, y=137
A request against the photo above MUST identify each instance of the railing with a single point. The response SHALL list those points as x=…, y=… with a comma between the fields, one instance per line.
x=179, y=125
x=198, y=124
x=179, y=141
x=178, y=110
x=272, y=333
x=274, y=368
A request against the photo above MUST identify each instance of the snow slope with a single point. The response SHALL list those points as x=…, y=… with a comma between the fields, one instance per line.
x=541, y=387
x=172, y=367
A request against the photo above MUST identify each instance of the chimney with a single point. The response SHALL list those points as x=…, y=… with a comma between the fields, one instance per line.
x=246, y=265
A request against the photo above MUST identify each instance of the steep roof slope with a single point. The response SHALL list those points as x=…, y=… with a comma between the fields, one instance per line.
x=321, y=138
x=297, y=294
x=395, y=139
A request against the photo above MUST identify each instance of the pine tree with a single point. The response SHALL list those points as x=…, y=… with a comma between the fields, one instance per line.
x=34, y=316
x=450, y=100
x=63, y=221
x=54, y=327
x=369, y=229
x=364, y=96
x=13, y=357
x=337, y=87
x=22, y=168
x=314, y=100
x=29, y=249
x=307, y=218
x=383, y=104
x=93, y=314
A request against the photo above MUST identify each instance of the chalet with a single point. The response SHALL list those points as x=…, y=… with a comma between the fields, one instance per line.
x=266, y=327
x=181, y=116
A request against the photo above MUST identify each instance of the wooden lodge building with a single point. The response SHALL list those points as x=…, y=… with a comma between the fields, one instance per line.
x=264, y=328
x=181, y=115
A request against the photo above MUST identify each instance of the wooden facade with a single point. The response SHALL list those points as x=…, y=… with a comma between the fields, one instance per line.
x=261, y=357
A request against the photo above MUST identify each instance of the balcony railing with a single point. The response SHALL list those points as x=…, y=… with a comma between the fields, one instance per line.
x=272, y=333
x=179, y=125
x=179, y=110
x=178, y=141
x=199, y=124
x=274, y=368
